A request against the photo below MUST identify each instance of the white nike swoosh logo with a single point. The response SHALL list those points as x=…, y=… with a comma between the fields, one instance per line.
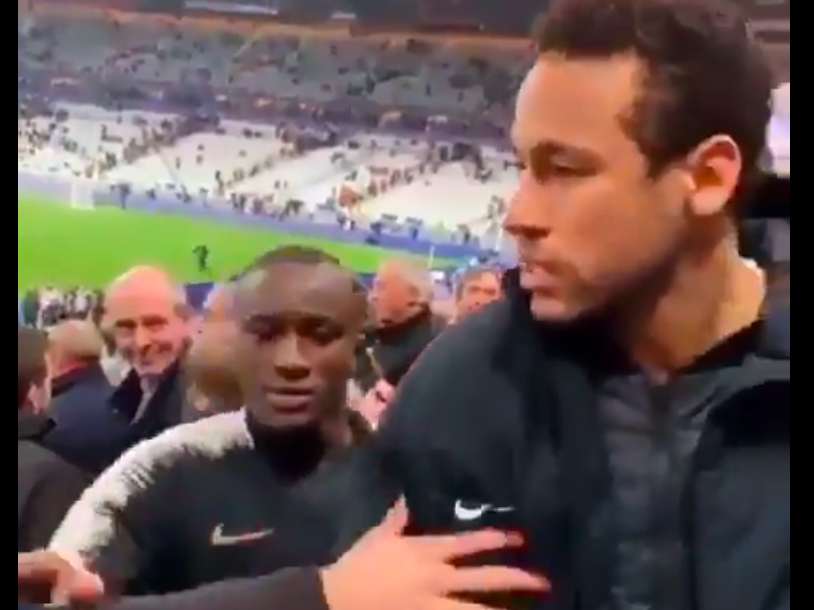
x=221, y=539
x=474, y=512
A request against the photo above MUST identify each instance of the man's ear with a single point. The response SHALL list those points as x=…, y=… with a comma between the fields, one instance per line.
x=714, y=171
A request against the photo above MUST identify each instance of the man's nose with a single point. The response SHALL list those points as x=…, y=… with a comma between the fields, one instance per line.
x=527, y=215
x=288, y=357
x=141, y=337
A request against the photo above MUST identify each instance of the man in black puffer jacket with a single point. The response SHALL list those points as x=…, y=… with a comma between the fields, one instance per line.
x=626, y=405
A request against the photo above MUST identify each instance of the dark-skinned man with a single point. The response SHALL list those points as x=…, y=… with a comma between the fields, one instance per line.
x=240, y=493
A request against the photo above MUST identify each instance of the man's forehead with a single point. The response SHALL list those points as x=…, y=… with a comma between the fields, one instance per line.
x=141, y=299
x=302, y=275
x=219, y=299
x=141, y=302
x=396, y=271
x=486, y=277
x=574, y=103
x=322, y=288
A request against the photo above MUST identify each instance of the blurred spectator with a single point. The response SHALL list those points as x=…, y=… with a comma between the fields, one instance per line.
x=211, y=368
x=403, y=321
x=148, y=317
x=478, y=287
x=46, y=485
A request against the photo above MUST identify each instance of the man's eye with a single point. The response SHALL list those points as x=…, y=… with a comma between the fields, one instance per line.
x=259, y=332
x=564, y=169
x=324, y=334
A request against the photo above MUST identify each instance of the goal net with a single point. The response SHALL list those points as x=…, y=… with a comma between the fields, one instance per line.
x=82, y=191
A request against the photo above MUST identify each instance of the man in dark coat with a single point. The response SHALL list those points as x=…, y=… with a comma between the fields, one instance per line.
x=47, y=486
x=402, y=323
x=147, y=314
x=626, y=405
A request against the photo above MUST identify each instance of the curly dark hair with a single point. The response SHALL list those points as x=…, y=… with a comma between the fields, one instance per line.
x=705, y=72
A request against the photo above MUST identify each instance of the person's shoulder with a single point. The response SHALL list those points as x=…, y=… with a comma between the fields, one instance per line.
x=475, y=338
x=459, y=375
x=34, y=460
x=776, y=336
x=202, y=440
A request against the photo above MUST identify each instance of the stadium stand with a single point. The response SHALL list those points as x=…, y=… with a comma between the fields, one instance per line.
x=390, y=139
x=224, y=151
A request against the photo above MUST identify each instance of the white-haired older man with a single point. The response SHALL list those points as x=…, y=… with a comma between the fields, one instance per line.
x=148, y=319
x=403, y=321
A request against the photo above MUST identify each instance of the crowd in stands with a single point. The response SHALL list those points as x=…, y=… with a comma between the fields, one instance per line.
x=174, y=109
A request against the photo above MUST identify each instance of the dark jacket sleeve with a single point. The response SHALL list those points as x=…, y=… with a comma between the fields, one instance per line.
x=431, y=402
x=376, y=476
x=285, y=590
x=116, y=527
x=55, y=491
x=372, y=490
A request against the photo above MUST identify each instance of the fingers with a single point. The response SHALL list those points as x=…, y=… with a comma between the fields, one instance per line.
x=395, y=520
x=492, y=579
x=469, y=543
x=77, y=586
x=454, y=604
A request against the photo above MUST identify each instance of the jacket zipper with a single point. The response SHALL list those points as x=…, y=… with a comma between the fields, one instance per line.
x=668, y=582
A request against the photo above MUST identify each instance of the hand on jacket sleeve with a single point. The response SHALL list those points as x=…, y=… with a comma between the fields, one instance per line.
x=386, y=569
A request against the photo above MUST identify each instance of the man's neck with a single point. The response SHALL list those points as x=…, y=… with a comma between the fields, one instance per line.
x=706, y=300
x=66, y=367
x=337, y=431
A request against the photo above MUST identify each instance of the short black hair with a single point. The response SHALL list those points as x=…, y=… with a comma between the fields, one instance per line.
x=32, y=346
x=303, y=255
x=300, y=255
x=705, y=72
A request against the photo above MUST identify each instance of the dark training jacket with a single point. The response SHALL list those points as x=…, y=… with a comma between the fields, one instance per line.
x=279, y=591
x=629, y=495
x=200, y=504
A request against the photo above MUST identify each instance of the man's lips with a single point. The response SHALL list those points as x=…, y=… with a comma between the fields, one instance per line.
x=288, y=398
x=538, y=276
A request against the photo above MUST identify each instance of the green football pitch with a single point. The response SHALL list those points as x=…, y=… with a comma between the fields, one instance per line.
x=64, y=246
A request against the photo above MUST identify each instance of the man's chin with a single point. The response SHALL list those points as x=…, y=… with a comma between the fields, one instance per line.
x=291, y=419
x=553, y=311
x=152, y=370
x=286, y=418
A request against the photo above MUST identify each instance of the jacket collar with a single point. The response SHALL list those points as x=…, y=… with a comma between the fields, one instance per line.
x=393, y=333
x=72, y=378
x=127, y=397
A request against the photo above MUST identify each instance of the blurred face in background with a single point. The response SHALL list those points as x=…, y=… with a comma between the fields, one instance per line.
x=393, y=298
x=217, y=308
x=34, y=370
x=149, y=323
x=39, y=397
x=211, y=366
x=477, y=290
x=211, y=361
